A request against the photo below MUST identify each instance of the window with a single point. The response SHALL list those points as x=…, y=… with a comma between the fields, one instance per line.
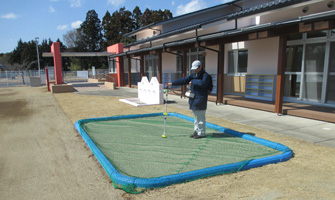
x=331, y=75
x=332, y=32
x=112, y=66
x=151, y=66
x=237, y=61
x=293, y=71
x=310, y=68
x=314, y=67
x=192, y=55
x=294, y=58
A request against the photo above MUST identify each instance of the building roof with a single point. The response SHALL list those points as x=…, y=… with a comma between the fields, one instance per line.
x=78, y=54
x=172, y=20
x=249, y=11
x=312, y=17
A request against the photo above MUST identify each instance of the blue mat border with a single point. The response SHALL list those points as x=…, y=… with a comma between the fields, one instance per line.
x=163, y=181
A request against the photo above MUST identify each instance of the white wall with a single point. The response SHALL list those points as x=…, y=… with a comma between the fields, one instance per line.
x=262, y=55
x=169, y=62
x=211, y=60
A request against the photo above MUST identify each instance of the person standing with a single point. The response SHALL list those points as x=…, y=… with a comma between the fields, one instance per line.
x=201, y=86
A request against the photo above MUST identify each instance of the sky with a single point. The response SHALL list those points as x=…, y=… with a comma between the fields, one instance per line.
x=28, y=19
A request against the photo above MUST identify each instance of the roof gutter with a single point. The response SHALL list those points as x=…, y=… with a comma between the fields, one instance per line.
x=189, y=28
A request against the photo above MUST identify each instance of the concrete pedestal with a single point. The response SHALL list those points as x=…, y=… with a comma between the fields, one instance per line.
x=35, y=81
x=110, y=85
x=61, y=88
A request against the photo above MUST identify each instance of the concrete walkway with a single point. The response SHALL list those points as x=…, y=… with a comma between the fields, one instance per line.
x=313, y=131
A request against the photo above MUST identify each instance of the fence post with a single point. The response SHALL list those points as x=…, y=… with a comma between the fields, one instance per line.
x=7, y=78
x=47, y=74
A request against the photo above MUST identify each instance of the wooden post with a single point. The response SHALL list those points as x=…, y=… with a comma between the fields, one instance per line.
x=47, y=74
x=220, y=75
x=142, y=66
x=160, y=68
x=280, y=74
x=120, y=70
x=183, y=89
x=129, y=71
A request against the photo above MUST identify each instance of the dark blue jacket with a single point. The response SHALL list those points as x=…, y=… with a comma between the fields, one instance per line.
x=201, y=83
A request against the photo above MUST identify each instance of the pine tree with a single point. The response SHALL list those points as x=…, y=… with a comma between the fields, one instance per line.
x=15, y=56
x=91, y=39
x=136, y=16
x=107, y=29
x=146, y=18
x=91, y=31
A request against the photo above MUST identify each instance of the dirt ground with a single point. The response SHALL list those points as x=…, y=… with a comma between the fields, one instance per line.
x=43, y=157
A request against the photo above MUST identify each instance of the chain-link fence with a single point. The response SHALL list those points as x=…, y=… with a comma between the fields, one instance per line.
x=20, y=78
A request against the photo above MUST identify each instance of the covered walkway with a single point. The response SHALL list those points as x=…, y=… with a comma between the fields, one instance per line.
x=326, y=114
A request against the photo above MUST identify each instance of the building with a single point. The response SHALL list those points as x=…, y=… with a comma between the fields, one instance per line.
x=269, y=50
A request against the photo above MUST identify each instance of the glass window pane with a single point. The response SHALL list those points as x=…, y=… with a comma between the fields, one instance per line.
x=315, y=57
x=231, y=62
x=332, y=57
x=242, y=61
x=292, y=85
x=313, y=86
x=151, y=66
x=294, y=58
x=314, y=65
x=331, y=89
x=125, y=64
x=179, y=64
x=332, y=33
x=331, y=76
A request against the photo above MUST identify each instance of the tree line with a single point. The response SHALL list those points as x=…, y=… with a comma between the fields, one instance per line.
x=93, y=35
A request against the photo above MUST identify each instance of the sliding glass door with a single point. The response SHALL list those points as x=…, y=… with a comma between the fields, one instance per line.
x=313, y=71
x=310, y=69
x=293, y=71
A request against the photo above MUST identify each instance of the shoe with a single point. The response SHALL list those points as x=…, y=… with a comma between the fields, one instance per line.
x=198, y=136
x=194, y=134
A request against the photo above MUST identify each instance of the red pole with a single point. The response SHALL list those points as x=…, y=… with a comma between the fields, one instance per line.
x=47, y=73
